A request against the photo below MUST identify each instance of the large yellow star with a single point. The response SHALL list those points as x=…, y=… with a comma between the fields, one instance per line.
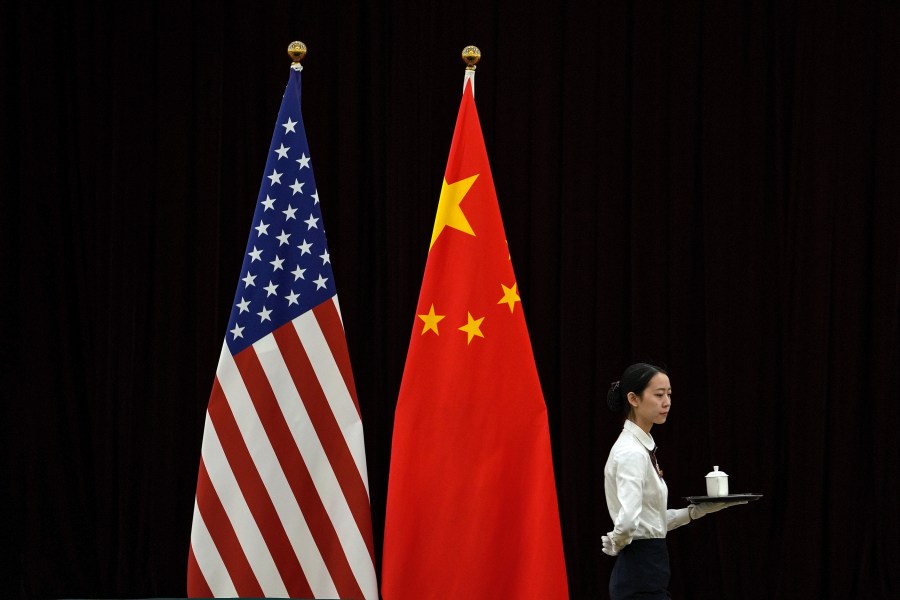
x=473, y=328
x=449, y=213
x=510, y=296
x=431, y=321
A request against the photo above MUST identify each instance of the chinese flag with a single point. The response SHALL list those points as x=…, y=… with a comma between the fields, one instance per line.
x=471, y=507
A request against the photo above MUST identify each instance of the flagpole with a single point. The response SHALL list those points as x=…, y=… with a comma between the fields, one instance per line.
x=470, y=55
x=296, y=50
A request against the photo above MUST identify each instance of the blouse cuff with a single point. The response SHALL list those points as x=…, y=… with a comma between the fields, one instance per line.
x=681, y=517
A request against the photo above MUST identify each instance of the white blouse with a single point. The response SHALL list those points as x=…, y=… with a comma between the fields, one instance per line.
x=636, y=494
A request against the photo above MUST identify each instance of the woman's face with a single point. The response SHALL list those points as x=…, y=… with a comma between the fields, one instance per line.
x=652, y=406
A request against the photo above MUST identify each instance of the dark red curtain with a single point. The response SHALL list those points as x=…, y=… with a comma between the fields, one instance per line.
x=711, y=186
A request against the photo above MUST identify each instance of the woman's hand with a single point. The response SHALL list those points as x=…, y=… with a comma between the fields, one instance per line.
x=609, y=547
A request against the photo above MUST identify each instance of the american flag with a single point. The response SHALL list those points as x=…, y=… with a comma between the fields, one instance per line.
x=282, y=504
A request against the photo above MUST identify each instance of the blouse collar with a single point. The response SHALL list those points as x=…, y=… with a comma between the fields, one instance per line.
x=642, y=436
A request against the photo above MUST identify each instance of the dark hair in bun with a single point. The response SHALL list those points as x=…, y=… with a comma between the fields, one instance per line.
x=634, y=379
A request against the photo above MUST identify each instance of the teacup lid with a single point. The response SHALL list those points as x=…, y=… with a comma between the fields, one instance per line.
x=716, y=472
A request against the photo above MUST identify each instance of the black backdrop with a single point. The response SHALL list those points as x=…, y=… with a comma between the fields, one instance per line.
x=709, y=185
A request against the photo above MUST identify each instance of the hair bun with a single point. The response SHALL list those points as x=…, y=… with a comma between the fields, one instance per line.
x=614, y=398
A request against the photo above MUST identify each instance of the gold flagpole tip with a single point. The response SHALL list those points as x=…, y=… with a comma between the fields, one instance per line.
x=471, y=55
x=297, y=50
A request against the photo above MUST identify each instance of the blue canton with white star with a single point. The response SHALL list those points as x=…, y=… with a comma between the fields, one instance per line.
x=287, y=268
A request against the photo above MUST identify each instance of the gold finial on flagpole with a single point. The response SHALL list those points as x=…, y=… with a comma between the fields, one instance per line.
x=471, y=55
x=296, y=50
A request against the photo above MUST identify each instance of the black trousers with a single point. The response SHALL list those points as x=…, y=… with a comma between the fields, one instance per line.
x=641, y=571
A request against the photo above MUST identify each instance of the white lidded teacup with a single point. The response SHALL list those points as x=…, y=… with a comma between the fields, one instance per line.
x=716, y=483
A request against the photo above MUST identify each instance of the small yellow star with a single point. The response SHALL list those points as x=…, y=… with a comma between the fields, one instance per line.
x=510, y=296
x=431, y=321
x=473, y=328
x=449, y=214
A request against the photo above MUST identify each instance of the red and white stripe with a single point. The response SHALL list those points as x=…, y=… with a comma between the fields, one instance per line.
x=282, y=505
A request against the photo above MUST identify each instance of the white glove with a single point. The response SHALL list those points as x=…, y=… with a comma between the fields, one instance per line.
x=704, y=508
x=609, y=547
